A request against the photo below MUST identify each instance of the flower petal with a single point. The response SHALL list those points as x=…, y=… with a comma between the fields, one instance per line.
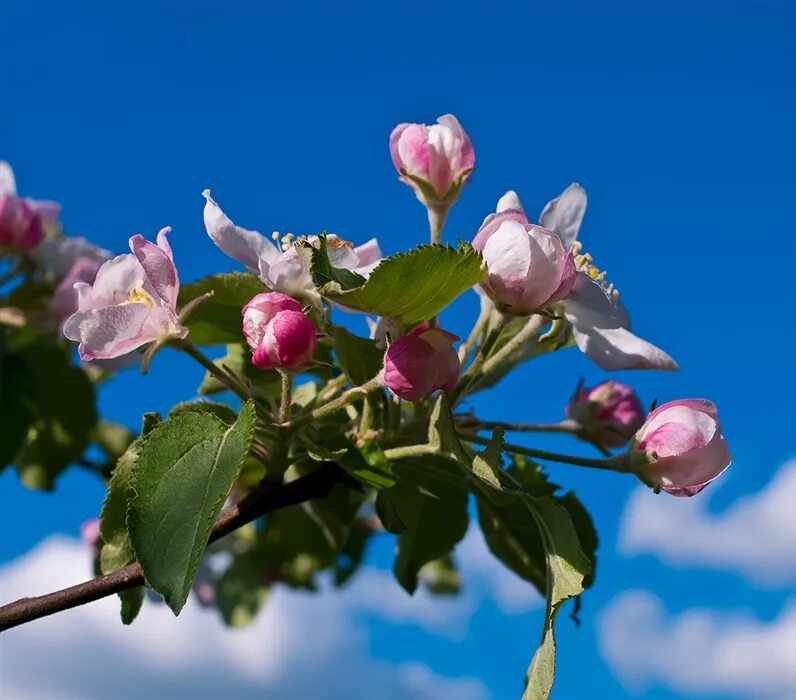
x=510, y=200
x=158, y=264
x=110, y=331
x=247, y=247
x=7, y=183
x=564, y=214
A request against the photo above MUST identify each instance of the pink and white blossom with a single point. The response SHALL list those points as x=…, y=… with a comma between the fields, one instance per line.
x=609, y=413
x=278, y=332
x=132, y=302
x=434, y=160
x=22, y=221
x=600, y=324
x=528, y=267
x=421, y=362
x=282, y=269
x=685, y=446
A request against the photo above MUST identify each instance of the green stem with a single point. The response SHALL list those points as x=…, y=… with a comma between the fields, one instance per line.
x=436, y=222
x=286, y=395
x=475, y=334
x=565, y=426
x=410, y=451
x=225, y=378
x=332, y=387
x=348, y=397
x=615, y=464
x=534, y=325
x=483, y=352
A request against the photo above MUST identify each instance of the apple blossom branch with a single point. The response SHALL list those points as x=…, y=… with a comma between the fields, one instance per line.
x=268, y=497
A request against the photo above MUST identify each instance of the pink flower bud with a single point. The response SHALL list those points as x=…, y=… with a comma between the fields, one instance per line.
x=20, y=224
x=683, y=440
x=22, y=221
x=421, y=362
x=435, y=160
x=90, y=533
x=610, y=413
x=528, y=266
x=278, y=332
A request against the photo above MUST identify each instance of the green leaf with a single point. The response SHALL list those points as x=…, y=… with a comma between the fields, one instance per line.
x=409, y=288
x=316, y=259
x=435, y=516
x=487, y=464
x=132, y=601
x=117, y=552
x=17, y=405
x=241, y=591
x=359, y=358
x=220, y=410
x=567, y=567
x=185, y=470
x=368, y=464
x=64, y=415
x=217, y=320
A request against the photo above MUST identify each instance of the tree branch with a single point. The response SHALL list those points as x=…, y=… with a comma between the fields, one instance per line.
x=266, y=498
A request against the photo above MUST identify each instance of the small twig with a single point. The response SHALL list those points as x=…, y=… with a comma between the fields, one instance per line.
x=614, y=464
x=265, y=499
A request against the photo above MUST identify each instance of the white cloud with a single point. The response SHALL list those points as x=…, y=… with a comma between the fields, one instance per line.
x=699, y=651
x=301, y=645
x=753, y=538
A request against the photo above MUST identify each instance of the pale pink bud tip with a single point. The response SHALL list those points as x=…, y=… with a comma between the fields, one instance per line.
x=684, y=442
x=434, y=160
x=528, y=267
x=610, y=413
x=417, y=364
x=278, y=332
x=90, y=533
x=20, y=224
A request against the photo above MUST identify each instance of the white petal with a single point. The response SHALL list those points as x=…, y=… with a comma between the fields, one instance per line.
x=564, y=214
x=600, y=330
x=247, y=247
x=618, y=348
x=510, y=200
x=7, y=183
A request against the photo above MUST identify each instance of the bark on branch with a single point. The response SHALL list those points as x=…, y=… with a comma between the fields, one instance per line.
x=265, y=499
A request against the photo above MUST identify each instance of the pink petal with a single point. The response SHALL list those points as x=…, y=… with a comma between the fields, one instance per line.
x=157, y=263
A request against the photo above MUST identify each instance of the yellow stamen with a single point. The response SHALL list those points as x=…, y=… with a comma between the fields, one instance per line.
x=584, y=262
x=139, y=295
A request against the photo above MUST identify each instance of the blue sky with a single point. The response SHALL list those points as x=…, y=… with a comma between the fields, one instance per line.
x=678, y=118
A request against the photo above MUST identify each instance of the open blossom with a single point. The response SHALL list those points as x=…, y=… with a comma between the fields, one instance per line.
x=58, y=255
x=278, y=332
x=281, y=268
x=131, y=302
x=419, y=363
x=684, y=442
x=434, y=160
x=528, y=267
x=22, y=221
x=600, y=323
x=610, y=413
